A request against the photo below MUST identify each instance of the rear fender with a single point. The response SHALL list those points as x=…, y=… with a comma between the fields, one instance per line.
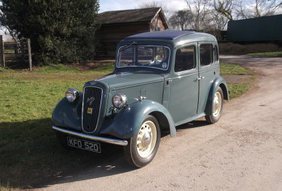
x=218, y=82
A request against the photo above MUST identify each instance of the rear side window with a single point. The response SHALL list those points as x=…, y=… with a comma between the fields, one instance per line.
x=206, y=54
x=185, y=59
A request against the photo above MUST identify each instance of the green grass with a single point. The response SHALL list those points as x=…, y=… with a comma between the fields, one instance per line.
x=267, y=54
x=58, y=68
x=244, y=78
x=30, y=154
x=237, y=90
x=233, y=69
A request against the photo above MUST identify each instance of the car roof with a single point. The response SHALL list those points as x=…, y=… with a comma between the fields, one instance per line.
x=173, y=35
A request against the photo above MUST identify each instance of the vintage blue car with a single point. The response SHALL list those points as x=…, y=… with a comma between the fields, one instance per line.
x=161, y=80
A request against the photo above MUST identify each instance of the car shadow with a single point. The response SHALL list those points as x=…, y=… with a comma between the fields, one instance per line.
x=31, y=157
x=193, y=124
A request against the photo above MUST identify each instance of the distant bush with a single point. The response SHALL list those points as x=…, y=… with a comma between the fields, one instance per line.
x=60, y=31
x=237, y=49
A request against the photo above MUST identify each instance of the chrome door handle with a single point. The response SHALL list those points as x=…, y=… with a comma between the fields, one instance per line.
x=200, y=78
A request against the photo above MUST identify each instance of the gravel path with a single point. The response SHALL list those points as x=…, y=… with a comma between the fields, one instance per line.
x=243, y=151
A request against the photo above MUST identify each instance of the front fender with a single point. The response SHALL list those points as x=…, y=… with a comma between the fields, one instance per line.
x=126, y=123
x=68, y=114
x=218, y=82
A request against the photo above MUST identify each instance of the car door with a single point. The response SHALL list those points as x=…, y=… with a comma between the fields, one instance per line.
x=184, y=85
x=207, y=72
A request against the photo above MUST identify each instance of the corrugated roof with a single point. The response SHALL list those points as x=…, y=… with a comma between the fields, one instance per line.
x=128, y=16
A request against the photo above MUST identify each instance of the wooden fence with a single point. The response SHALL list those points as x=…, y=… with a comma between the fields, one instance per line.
x=15, y=54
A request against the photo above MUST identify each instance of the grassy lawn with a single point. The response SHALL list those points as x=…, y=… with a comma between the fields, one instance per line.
x=29, y=151
x=239, y=79
x=267, y=54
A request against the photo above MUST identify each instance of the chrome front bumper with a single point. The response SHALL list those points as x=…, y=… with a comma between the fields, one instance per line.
x=91, y=137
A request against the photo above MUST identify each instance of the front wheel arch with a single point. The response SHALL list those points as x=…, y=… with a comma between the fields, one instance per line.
x=129, y=119
x=162, y=119
x=143, y=146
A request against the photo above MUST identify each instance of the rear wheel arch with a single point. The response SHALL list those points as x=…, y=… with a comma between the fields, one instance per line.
x=225, y=91
x=218, y=83
x=216, y=106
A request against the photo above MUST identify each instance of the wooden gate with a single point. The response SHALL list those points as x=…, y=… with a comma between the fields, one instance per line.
x=15, y=54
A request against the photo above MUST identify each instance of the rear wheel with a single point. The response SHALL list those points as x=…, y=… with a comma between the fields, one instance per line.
x=217, y=107
x=143, y=146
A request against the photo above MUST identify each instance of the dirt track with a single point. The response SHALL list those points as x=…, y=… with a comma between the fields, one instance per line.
x=243, y=151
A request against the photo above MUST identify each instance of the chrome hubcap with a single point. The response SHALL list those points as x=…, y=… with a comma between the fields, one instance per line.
x=146, y=139
x=217, y=104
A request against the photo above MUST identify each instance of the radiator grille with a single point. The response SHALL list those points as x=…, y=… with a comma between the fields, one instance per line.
x=91, y=106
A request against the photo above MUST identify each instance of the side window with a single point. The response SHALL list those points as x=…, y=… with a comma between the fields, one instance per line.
x=216, y=53
x=206, y=54
x=185, y=59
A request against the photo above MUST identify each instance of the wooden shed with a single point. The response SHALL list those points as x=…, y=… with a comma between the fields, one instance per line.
x=116, y=25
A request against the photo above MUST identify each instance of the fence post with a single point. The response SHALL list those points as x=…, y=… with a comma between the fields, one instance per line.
x=2, y=56
x=29, y=54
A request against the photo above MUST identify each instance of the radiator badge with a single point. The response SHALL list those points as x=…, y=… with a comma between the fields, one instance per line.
x=89, y=110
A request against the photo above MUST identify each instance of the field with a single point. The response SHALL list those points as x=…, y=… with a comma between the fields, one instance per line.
x=30, y=155
x=239, y=79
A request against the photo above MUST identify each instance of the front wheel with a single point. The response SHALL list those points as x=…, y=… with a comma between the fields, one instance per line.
x=143, y=146
x=217, y=107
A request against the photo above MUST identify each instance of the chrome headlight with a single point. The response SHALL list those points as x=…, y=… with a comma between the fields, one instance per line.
x=119, y=100
x=71, y=94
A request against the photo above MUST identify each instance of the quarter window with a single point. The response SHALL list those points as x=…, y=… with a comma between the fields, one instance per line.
x=185, y=59
x=206, y=54
x=126, y=56
x=215, y=53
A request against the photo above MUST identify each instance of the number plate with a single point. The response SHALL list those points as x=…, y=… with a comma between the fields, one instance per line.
x=84, y=145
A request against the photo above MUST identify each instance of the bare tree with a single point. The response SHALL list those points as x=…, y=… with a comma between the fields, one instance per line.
x=219, y=21
x=224, y=7
x=181, y=19
x=152, y=4
x=258, y=8
x=200, y=10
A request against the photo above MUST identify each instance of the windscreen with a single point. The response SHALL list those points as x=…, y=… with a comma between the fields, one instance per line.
x=151, y=56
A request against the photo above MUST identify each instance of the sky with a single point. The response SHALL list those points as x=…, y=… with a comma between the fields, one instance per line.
x=171, y=5
x=109, y=5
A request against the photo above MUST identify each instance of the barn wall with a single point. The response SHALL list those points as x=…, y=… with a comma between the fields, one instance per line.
x=263, y=29
x=109, y=35
x=157, y=24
